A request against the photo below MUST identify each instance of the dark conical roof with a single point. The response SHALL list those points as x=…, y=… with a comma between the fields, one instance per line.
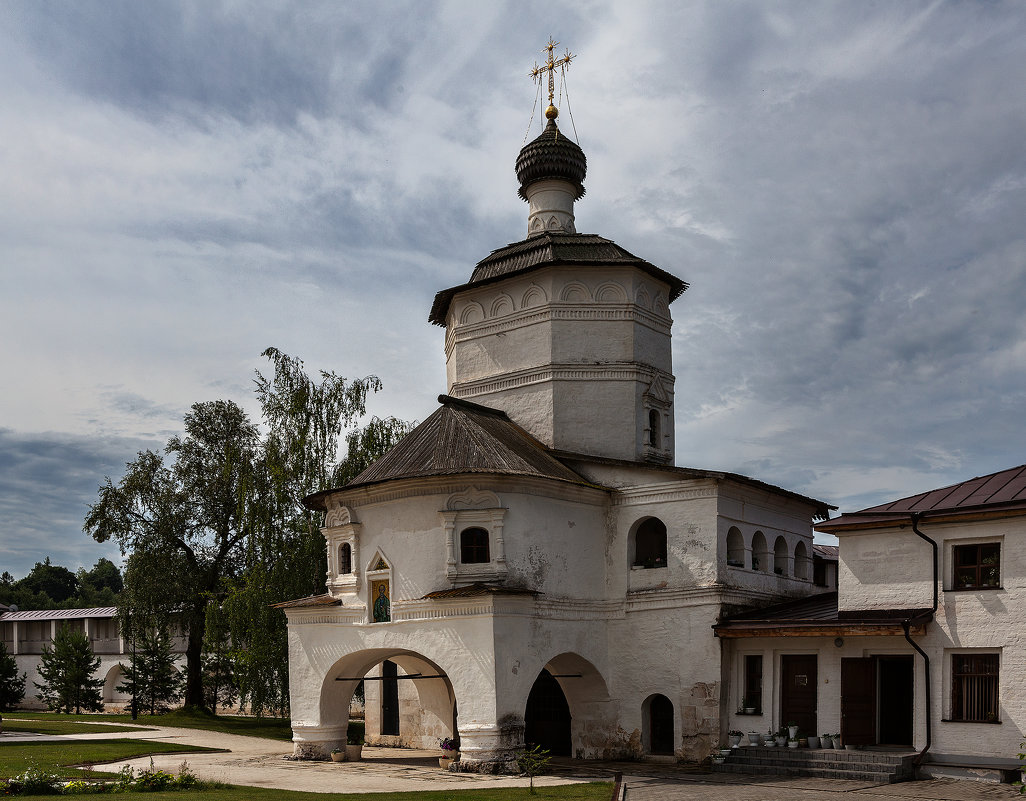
x=552, y=155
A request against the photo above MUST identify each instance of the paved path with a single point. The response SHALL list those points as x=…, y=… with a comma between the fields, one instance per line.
x=256, y=762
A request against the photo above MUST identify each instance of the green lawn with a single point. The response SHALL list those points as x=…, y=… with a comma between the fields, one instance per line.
x=271, y=728
x=62, y=725
x=60, y=757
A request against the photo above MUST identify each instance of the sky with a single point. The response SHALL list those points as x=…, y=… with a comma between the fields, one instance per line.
x=843, y=185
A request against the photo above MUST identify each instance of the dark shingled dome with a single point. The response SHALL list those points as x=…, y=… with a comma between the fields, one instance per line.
x=552, y=155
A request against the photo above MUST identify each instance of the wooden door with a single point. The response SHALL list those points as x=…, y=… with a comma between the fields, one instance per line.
x=896, y=690
x=858, y=701
x=798, y=689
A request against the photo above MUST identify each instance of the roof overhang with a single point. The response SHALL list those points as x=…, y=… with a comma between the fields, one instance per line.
x=817, y=628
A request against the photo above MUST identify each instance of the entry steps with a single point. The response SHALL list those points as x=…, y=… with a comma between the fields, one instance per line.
x=883, y=767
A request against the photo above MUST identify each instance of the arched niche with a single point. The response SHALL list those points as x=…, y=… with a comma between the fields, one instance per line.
x=735, y=547
x=780, y=556
x=647, y=543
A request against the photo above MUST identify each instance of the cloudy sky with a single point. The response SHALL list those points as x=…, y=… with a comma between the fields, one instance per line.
x=187, y=183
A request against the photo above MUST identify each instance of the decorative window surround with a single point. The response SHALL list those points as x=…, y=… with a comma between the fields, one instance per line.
x=474, y=508
x=340, y=529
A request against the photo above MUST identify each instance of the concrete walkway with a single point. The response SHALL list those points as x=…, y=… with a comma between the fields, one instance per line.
x=255, y=762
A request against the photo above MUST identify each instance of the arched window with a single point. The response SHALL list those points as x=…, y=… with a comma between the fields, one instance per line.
x=653, y=428
x=345, y=558
x=735, y=548
x=780, y=557
x=474, y=546
x=801, y=561
x=760, y=553
x=650, y=543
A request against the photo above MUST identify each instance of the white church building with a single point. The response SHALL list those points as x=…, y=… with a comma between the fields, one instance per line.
x=529, y=565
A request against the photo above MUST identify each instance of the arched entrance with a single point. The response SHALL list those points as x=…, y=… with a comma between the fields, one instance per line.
x=657, y=716
x=547, y=717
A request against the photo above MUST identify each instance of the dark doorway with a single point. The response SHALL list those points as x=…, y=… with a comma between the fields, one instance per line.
x=660, y=723
x=798, y=688
x=895, y=692
x=389, y=698
x=858, y=701
x=547, y=718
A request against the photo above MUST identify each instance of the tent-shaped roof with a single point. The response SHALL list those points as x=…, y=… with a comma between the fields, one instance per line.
x=996, y=493
x=551, y=249
x=462, y=437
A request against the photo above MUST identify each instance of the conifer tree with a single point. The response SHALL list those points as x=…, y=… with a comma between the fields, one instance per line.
x=67, y=672
x=151, y=676
x=12, y=687
x=219, y=685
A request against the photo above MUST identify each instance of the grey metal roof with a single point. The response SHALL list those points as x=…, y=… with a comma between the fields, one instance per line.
x=476, y=589
x=310, y=600
x=829, y=552
x=1004, y=491
x=60, y=614
x=547, y=250
x=817, y=611
x=458, y=438
x=551, y=155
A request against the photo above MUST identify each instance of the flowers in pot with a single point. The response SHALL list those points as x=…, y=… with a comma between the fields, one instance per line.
x=734, y=738
x=826, y=740
x=338, y=755
x=792, y=730
x=836, y=740
x=754, y=738
x=450, y=751
x=781, y=737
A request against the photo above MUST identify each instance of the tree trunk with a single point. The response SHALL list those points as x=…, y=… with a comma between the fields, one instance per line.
x=193, y=662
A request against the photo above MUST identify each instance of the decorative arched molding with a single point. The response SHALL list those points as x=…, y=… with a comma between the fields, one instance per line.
x=534, y=296
x=338, y=516
x=661, y=305
x=473, y=498
x=537, y=225
x=611, y=292
x=575, y=292
x=502, y=306
x=643, y=299
x=473, y=312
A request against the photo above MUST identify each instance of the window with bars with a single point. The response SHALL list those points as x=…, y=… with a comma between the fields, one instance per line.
x=474, y=546
x=974, y=687
x=977, y=566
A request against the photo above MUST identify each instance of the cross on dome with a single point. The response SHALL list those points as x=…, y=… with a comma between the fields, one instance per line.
x=550, y=67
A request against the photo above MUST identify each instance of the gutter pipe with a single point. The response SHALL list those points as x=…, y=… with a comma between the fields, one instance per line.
x=907, y=625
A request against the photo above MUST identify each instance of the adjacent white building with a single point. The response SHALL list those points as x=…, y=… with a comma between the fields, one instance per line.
x=923, y=644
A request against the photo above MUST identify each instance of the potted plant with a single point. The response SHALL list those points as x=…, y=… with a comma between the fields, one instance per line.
x=450, y=752
x=836, y=740
x=826, y=740
x=813, y=741
x=754, y=738
x=717, y=758
x=338, y=755
x=734, y=738
x=792, y=730
x=803, y=742
x=792, y=742
x=781, y=737
x=354, y=747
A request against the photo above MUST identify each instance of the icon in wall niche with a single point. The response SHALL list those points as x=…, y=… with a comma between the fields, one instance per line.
x=382, y=603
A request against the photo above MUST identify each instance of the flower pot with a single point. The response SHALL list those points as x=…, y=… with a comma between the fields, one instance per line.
x=792, y=743
x=444, y=762
x=718, y=760
x=734, y=740
x=754, y=738
x=792, y=732
x=724, y=752
x=837, y=742
x=338, y=756
x=749, y=710
x=770, y=743
x=354, y=752
x=850, y=747
x=813, y=741
x=781, y=741
x=803, y=742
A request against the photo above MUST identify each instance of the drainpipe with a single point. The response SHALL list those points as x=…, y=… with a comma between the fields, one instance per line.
x=906, y=624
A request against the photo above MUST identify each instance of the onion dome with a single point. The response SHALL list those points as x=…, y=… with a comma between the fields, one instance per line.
x=552, y=156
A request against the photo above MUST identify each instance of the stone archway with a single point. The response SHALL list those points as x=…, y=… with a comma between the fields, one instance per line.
x=547, y=720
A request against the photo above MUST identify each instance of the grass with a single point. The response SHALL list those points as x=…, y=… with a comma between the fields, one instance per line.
x=269, y=728
x=59, y=758
x=55, y=725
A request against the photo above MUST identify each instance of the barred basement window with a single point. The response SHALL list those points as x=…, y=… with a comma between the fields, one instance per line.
x=974, y=687
x=474, y=546
x=977, y=566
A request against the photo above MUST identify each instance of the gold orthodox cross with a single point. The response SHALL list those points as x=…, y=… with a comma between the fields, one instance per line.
x=550, y=66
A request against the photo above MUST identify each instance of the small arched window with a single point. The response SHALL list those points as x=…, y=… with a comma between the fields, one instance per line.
x=780, y=557
x=345, y=559
x=650, y=544
x=653, y=428
x=760, y=553
x=735, y=548
x=474, y=546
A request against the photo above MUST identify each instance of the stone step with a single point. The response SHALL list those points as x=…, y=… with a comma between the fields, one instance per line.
x=804, y=755
x=877, y=777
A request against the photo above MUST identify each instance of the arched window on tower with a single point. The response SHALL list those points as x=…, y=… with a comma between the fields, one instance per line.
x=474, y=546
x=650, y=543
x=653, y=428
x=345, y=559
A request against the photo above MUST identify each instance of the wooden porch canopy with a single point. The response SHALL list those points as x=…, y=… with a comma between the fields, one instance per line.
x=819, y=616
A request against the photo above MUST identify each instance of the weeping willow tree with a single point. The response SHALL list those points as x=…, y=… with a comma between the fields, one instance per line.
x=284, y=554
